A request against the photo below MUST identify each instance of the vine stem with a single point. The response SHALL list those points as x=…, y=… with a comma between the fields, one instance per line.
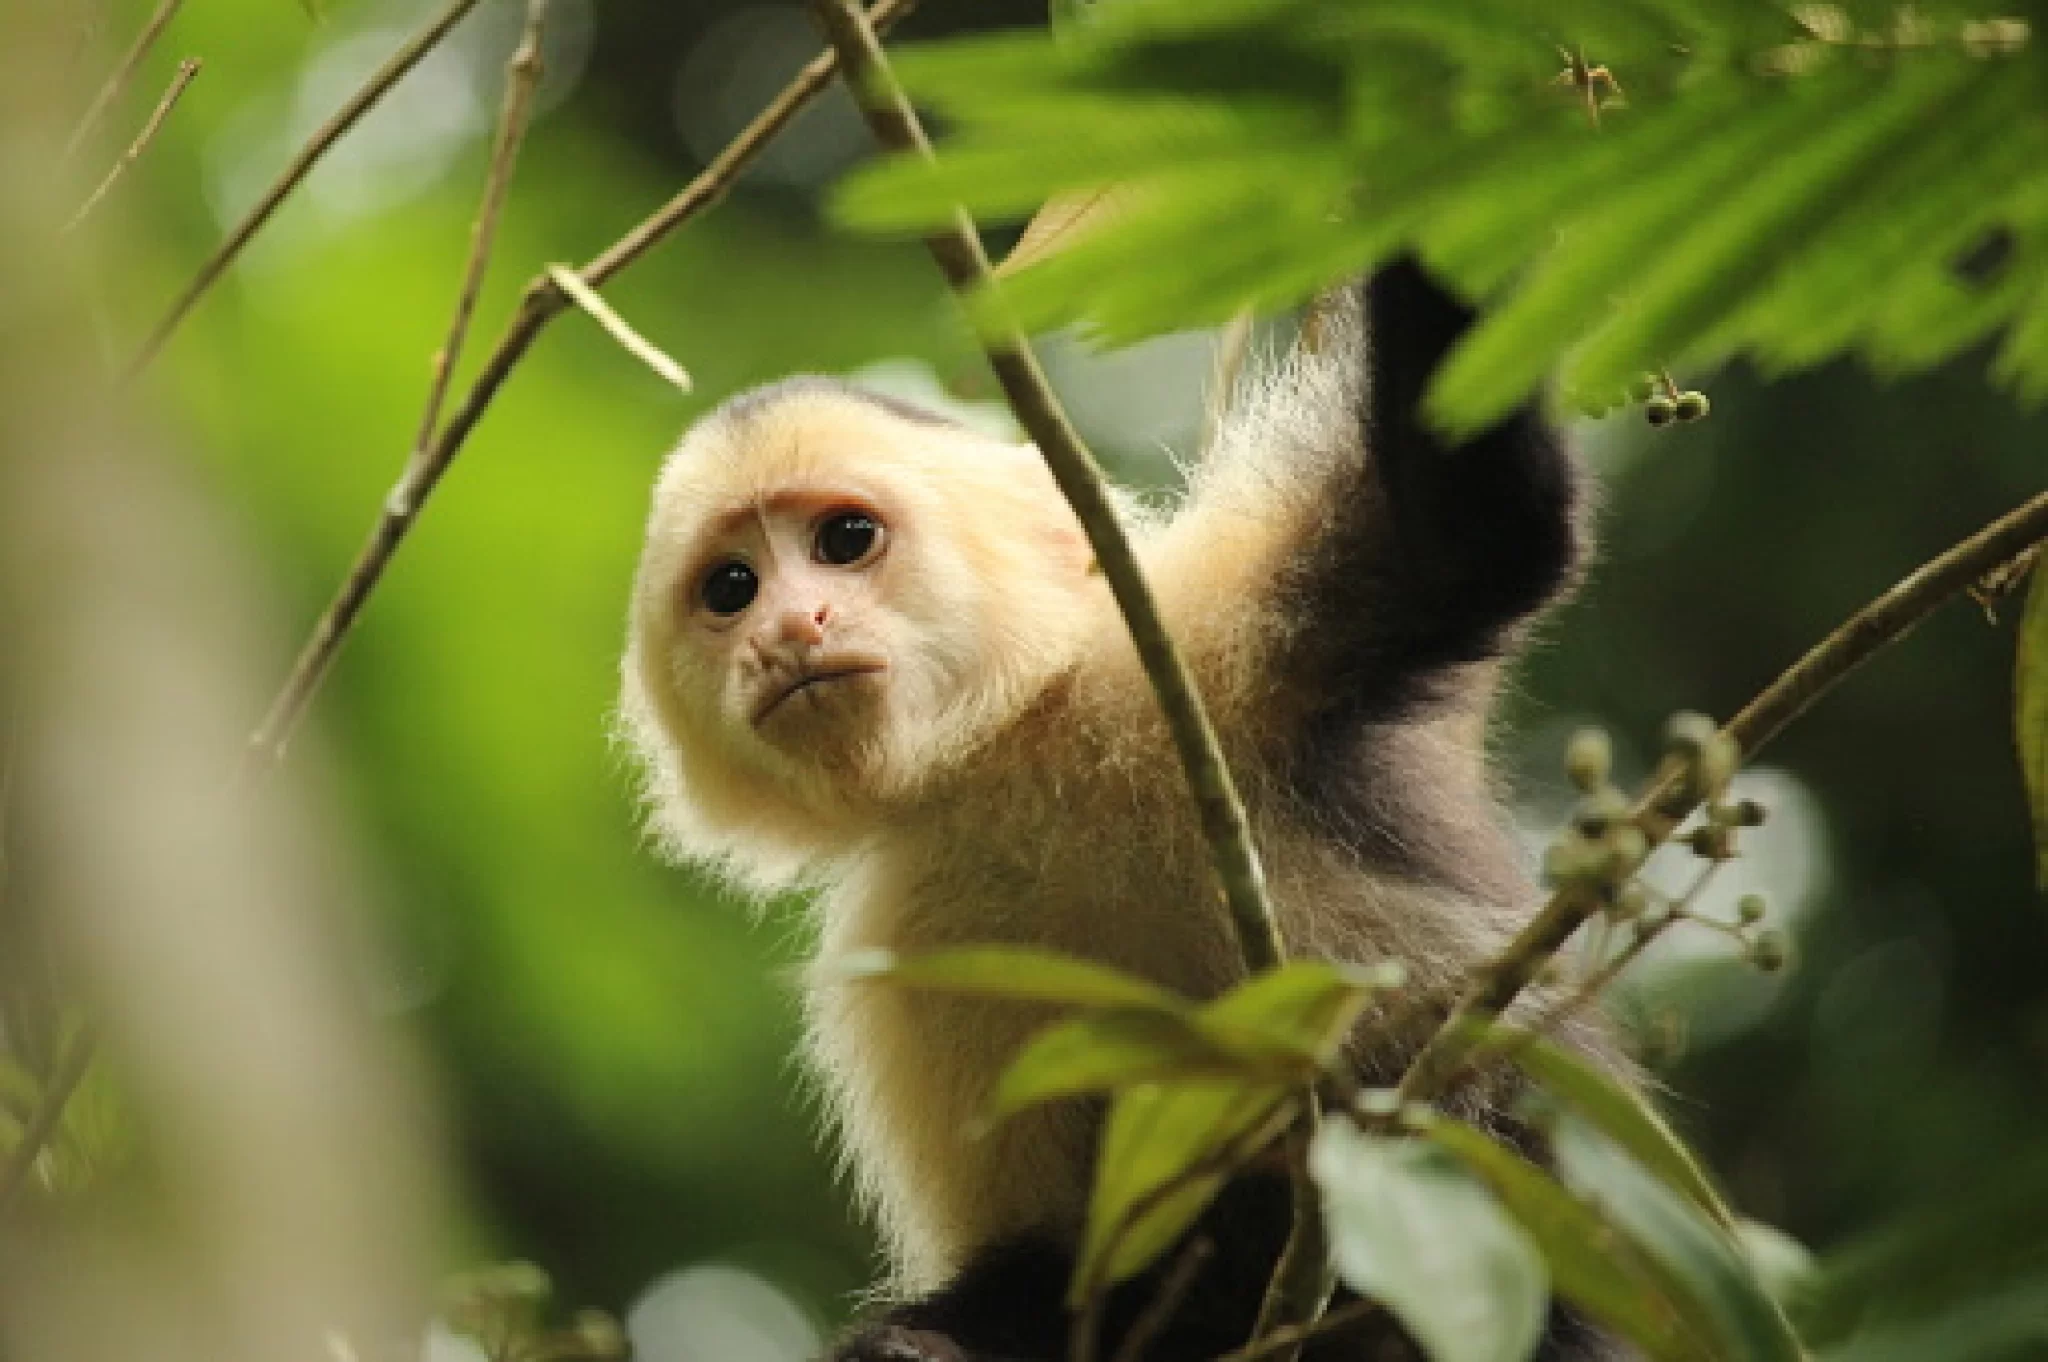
x=1668, y=800
x=522, y=78
x=1300, y=1284
x=541, y=303
x=394, y=69
x=187, y=70
x=165, y=11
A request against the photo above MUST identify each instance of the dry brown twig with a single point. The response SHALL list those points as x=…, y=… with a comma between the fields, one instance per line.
x=617, y=327
x=366, y=97
x=542, y=302
x=165, y=11
x=401, y=504
x=187, y=71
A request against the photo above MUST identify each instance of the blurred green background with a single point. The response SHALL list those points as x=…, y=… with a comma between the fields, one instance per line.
x=612, y=1037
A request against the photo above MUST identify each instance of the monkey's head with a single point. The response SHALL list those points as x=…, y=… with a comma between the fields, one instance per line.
x=839, y=595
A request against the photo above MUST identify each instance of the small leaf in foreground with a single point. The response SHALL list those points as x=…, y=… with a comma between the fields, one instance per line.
x=1166, y=1152
x=1724, y=1300
x=1413, y=1230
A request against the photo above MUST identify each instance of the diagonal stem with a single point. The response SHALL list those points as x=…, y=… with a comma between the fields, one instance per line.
x=1668, y=801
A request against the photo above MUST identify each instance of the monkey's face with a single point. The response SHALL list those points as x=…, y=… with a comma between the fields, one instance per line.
x=834, y=604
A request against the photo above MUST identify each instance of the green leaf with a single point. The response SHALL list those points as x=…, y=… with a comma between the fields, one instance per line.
x=1010, y=972
x=1295, y=1015
x=1722, y=1298
x=1590, y=1264
x=2030, y=715
x=1413, y=1230
x=1618, y=1111
x=1110, y=1050
x=1166, y=1152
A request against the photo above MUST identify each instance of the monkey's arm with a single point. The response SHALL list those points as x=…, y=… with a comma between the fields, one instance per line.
x=1376, y=556
x=1434, y=552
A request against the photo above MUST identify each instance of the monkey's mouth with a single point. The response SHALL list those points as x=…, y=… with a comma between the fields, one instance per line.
x=813, y=678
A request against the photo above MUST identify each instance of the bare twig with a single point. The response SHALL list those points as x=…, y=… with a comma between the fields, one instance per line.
x=1180, y=1279
x=118, y=81
x=401, y=504
x=522, y=77
x=615, y=326
x=1666, y=803
x=1294, y=1335
x=42, y=1127
x=542, y=302
x=394, y=69
x=187, y=69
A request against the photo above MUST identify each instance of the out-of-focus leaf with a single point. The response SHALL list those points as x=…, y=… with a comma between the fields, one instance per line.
x=1010, y=972
x=1413, y=1230
x=1782, y=1263
x=1591, y=1264
x=1724, y=1302
x=1619, y=1112
x=2030, y=714
x=1165, y=1154
x=2009, y=1324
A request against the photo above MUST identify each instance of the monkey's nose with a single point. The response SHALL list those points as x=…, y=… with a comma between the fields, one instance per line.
x=803, y=627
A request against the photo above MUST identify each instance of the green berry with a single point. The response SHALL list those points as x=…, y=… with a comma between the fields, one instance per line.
x=1750, y=908
x=1660, y=410
x=1630, y=903
x=1599, y=811
x=1687, y=732
x=1750, y=814
x=1588, y=759
x=1769, y=952
x=1691, y=406
x=598, y=1335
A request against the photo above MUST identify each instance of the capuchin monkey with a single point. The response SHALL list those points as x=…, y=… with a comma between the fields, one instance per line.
x=870, y=655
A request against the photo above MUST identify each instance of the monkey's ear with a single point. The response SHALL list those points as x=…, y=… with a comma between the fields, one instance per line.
x=1055, y=530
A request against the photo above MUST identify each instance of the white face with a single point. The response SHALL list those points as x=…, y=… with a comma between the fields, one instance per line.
x=833, y=605
x=784, y=606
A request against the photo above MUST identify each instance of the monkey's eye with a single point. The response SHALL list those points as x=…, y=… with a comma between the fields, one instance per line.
x=729, y=588
x=847, y=538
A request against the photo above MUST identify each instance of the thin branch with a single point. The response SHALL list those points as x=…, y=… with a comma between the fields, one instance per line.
x=966, y=267
x=1180, y=1279
x=58, y=1089
x=395, y=68
x=1294, y=1335
x=1668, y=801
x=542, y=302
x=617, y=327
x=522, y=77
x=401, y=504
x=117, y=82
x=187, y=69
